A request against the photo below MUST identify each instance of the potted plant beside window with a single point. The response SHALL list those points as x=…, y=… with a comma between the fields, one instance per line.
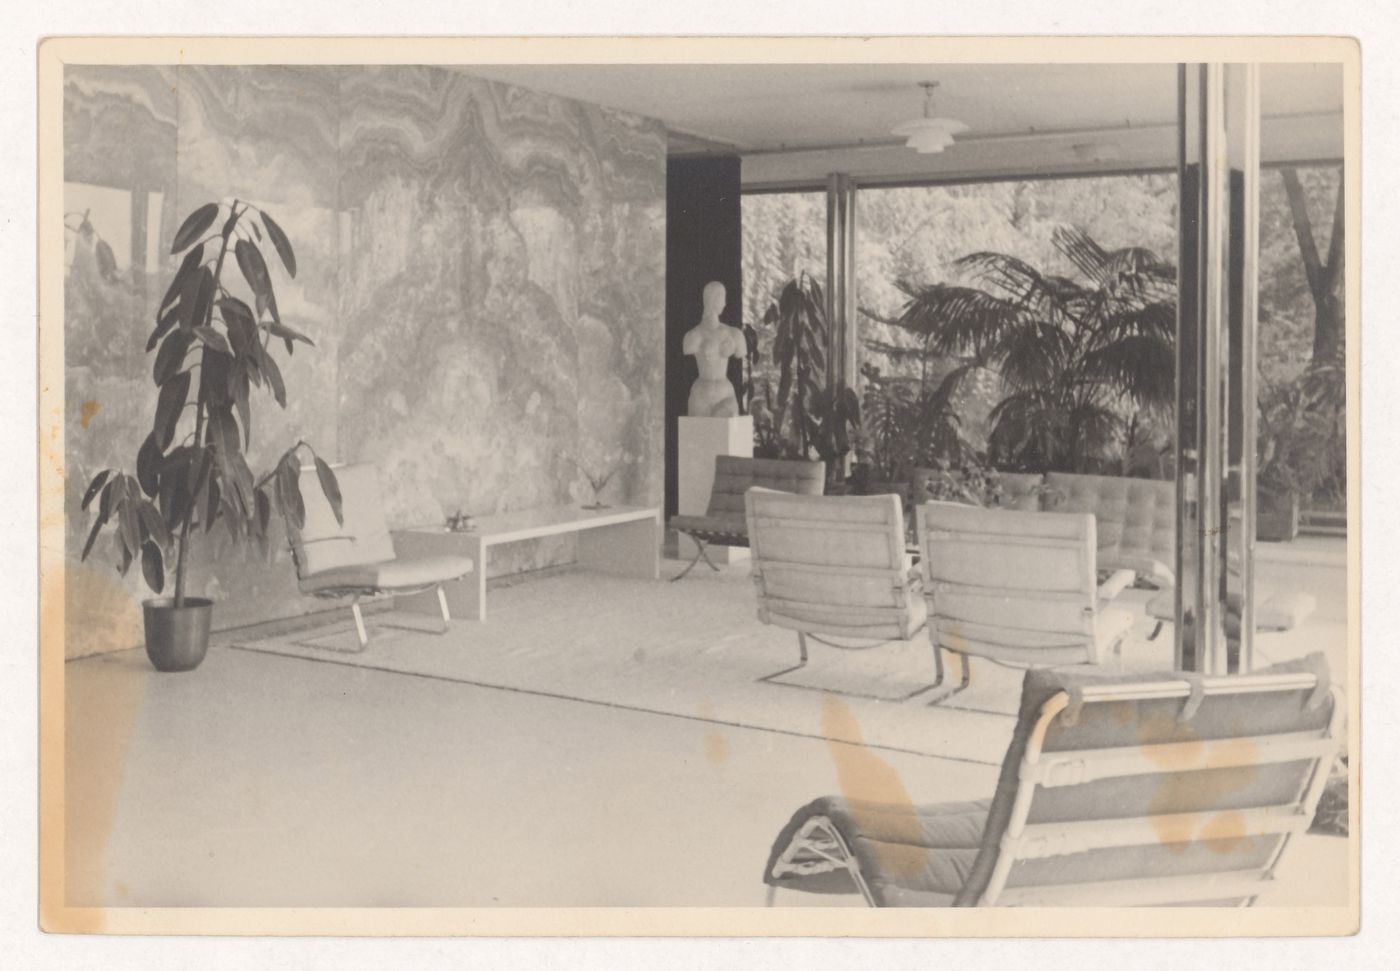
x=211, y=349
x=1298, y=440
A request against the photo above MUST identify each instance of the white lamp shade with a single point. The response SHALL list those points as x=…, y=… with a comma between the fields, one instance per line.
x=928, y=136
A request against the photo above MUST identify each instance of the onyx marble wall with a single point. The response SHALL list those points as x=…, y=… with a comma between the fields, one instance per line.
x=482, y=269
x=502, y=297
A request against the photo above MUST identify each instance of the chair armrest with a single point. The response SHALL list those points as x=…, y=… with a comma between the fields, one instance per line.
x=1119, y=581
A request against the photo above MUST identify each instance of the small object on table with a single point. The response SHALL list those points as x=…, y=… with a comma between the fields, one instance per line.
x=598, y=481
x=460, y=522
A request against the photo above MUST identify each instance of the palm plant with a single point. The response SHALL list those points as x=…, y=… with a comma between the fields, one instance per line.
x=1072, y=355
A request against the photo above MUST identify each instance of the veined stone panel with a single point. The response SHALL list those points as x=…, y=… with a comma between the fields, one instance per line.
x=481, y=267
x=495, y=351
x=267, y=135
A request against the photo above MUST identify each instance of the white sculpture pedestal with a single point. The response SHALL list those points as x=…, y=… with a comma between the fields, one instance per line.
x=698, y=441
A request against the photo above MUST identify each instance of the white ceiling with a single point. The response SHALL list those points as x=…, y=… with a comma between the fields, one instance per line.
x=794, y=122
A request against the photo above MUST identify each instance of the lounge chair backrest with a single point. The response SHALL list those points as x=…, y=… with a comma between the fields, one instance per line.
x=1012, y=586
x=735, y=475
x=323, y=544
x=1156, y=790
x=1136, y=517
x=832, y=564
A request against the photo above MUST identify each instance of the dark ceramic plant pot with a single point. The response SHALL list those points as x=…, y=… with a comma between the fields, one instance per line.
x=1277, y=520
x=177, y=637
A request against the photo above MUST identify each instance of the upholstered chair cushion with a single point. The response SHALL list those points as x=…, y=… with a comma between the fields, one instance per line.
x=723, y=521
x=1016, y=587
x=833, y=564
x=322, y=544
x=1136, y=518
x=359, y=553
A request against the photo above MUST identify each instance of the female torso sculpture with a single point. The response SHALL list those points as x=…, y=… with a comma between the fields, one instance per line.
x=712, y=344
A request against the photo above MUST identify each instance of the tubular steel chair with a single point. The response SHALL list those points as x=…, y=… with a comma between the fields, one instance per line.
x=356, y=558
x=723, y=523
x=833, y=566
x=1019, y=588
x=1144, y=790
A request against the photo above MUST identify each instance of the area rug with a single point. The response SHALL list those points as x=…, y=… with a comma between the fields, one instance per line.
x=692, y=649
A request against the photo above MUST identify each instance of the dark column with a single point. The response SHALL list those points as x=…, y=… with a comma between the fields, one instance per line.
x=703, y=243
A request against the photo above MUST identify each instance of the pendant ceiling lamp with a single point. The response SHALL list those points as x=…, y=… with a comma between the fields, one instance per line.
x=929, y=135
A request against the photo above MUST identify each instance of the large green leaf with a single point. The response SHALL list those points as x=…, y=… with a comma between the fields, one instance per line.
x=153, y=567
x=214, y=369
x=280, y=241
x=189, y=266
x=250, y=261
x=201, y=298
x=274, y=379
x=212, y=339
x=240, y=401
x=281, y=330
x=210, y=512
x=222, y=432
x=148, y=460
x=169, y=405
x=154, y=524
x=194, y=226
x=94, y=486
x=242, y=331
x=330, y=487
x=289, y=490
x=171, y=355
x=97, y=525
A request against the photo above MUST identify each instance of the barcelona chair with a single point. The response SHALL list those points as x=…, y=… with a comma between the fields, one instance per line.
x=1016, y=587
x=723, y=523
x=355, y=558
x=1116, y=790
x=833, y=567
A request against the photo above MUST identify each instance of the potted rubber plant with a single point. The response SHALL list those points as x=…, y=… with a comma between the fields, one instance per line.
x=212, y=348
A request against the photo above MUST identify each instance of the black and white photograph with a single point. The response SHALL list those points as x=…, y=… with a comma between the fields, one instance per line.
x=794, y=480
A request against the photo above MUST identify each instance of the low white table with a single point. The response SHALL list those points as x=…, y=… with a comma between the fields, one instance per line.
x=621, y=540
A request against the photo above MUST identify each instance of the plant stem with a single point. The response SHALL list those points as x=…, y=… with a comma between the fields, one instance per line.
x=182, y=548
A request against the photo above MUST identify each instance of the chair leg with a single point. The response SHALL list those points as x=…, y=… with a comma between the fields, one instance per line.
x=442, y=604
x=770, y=896
x=700, y=554
x=1155, y=631
x=801, y=648
x=947, y=693
x=359, y=624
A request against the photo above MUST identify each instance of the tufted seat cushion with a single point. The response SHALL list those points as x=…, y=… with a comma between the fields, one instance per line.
x=723, y=523
x=1136, y=518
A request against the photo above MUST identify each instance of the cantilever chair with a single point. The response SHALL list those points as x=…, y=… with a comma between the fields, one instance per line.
x=833, y=566
x=356, y=558
x=1116, y=790
x=1016, y=587
x=723, y=523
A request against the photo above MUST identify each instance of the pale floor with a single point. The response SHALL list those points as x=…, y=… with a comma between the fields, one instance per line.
x=273, y=781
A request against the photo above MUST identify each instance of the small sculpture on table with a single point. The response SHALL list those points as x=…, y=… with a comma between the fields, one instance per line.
x=460, y=522
x=712, y=344
x=598, y=482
